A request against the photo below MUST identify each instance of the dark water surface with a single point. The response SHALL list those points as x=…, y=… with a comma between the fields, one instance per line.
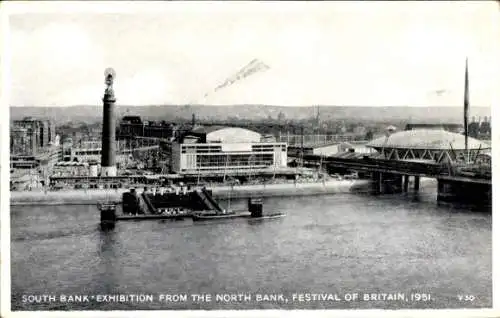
x=337, y=244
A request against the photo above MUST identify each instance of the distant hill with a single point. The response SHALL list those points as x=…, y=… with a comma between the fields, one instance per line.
x=253, y=112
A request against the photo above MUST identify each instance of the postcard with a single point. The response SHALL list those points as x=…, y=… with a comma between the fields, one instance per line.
x=247, y=158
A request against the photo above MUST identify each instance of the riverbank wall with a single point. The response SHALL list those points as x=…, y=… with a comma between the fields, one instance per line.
x=92, y=196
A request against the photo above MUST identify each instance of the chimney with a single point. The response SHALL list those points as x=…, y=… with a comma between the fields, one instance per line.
x=108, y=162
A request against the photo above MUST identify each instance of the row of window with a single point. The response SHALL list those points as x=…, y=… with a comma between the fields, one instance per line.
x=202, y=147
x=219, y=150
x=222, y=169
x=260, y=148
x=87, y=152
x=235, y=160
x=146, y=131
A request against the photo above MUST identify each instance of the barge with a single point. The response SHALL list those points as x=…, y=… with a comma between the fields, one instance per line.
x=180, y=204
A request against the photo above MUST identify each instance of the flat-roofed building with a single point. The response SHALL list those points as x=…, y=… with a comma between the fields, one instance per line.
x=134, y=126
x=70, y=168
x=86, y=154
x=46, y=158
x=93, y=154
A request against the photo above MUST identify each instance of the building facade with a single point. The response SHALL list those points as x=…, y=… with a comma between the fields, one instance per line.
x=19, y=143
x=480, y=129
x=63, y=169
x=221, y=150
x=90, y=155
x=46, y=158
x=30, y=136
x=134, y=126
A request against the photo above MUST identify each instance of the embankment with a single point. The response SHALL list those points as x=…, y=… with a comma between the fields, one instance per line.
x=292, y=189
x=80, y=197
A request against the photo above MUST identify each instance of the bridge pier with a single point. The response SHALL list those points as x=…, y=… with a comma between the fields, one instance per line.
x=416, y=185
x=387, y=183
x=406, y=182
x=464, y=192
x=393, y=176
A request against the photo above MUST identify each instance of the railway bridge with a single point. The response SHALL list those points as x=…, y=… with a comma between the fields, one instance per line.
x=414, y=154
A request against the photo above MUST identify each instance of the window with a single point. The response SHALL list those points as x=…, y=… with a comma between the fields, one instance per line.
x=229, y=161
x=262, y=148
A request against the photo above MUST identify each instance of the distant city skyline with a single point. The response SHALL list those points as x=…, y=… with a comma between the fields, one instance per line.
x=332, y=53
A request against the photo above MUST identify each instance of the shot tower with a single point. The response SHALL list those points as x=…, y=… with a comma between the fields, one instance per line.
x=108, y=151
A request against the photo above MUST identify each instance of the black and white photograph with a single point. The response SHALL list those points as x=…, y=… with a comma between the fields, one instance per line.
x=222, y=156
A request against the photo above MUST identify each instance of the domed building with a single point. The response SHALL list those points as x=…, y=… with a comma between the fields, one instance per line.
x=219, y=150
x=222, y=134
x=427, y=145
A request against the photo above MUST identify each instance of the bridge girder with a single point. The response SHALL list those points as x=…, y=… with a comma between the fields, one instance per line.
x=438, y=155
x=431, y=170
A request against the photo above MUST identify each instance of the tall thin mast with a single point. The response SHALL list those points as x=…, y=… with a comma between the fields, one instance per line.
x=466, y=110
x=302, y=146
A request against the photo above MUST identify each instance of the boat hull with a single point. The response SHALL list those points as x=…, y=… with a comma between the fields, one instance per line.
x=151, y=217
x=241, y=215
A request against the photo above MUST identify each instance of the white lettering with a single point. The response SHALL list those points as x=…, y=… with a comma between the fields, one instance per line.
x=74, y=298
x=315, y=297
x=123, y=298
x=38, y=298
x=270, y=297
x=173, y=298
x=232, y=297
x=384, y=297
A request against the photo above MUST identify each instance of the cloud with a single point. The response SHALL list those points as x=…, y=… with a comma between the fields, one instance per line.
x=49, y=62
x=147, y=87
x=378, y=53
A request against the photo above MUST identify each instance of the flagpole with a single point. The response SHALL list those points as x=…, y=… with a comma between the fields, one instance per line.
x=466, y=109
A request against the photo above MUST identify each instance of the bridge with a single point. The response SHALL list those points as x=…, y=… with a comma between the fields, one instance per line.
x=456, y=183
x=419, y=169
x=421, y=153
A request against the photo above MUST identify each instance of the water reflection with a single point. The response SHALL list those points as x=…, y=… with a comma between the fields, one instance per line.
x=107, y=227
x=108, y=259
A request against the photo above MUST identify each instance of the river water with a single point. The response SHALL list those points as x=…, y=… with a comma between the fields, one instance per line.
x=335, y=245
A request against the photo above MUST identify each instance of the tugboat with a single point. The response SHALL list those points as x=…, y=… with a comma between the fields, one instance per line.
x=255, y=211
x=202, y=216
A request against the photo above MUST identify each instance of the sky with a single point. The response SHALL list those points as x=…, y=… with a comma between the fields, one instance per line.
x=325, y=53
